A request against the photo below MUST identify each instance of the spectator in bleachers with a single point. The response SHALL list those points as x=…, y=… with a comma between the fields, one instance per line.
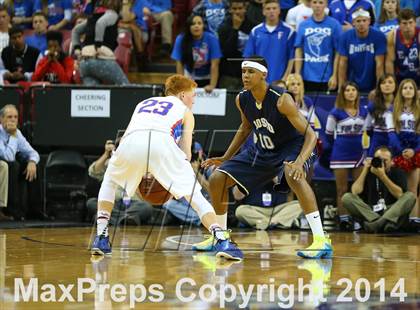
x=213, y=13
x=362, y=53
x=21, y=160
x=406, y=140
x=410, y=4
x=38, y=39
x=58, y=12
x=316, y=57
x=4, y=27
x=77, y=8
x=19, y=59
x=197, y=54
x=254, y=12
x=160, y=10
x=299, y=13
x=388, y=18
x=379, y=196
x=132, y=19
x=97, y=62
x=286, y=6
x=379, y=122
x=139, y=211
x=265, y=208
x=344, y=130
x=100, y=28
x=233, y=35
x=22, y=11
x=343, y=10
x=402, y=56
x=56, y=67
x=99, y=66
x=274, y=40
x=295, y=86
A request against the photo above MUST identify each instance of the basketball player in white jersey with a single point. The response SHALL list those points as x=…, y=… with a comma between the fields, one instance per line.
x=148, y=145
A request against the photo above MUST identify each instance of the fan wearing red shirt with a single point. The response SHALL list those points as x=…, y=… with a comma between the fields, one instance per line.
x=56, y=67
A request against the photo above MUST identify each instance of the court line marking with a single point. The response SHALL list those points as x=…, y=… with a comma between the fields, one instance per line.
x=170, y=239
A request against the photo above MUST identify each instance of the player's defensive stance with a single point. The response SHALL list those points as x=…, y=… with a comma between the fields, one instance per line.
x=148, y=145
x=285, y=143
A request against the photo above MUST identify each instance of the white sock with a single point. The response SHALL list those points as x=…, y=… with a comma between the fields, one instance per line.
x=222, y=220
x=314, y=220
x=102, y=221
x=217, y=231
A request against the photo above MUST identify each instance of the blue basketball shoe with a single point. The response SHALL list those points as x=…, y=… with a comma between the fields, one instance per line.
x=320, y=248
x=227, y=248
x=101, y=246
x=208, y=244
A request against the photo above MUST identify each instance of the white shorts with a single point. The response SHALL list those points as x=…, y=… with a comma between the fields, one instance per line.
x=162, y=157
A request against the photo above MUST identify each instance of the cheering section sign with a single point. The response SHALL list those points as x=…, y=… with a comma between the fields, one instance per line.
x=90, y=103
x=213, y=103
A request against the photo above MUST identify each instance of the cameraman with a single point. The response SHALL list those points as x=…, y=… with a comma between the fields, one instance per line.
x=379, y=196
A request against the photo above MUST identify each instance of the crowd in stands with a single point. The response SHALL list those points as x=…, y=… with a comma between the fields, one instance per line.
x=349, y=47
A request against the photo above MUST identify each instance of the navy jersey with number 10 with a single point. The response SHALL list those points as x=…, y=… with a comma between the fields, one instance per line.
x=272, y=129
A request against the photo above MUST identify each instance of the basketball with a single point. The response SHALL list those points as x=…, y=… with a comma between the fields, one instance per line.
x=152, y=192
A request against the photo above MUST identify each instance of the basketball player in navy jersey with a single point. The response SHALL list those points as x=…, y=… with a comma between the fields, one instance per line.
x=285, y=144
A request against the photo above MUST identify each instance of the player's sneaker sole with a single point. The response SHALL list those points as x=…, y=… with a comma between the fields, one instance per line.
x=96, y=251
x=228, y=256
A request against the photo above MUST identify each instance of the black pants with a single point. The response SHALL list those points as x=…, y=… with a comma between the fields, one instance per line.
x=21, y=192
x=17, y=191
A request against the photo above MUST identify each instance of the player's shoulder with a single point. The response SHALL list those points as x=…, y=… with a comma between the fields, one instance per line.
x=276, y=91
x=243, y=94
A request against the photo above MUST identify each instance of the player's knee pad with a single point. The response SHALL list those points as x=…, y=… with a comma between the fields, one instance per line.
x=200, y=204
x=107, y=191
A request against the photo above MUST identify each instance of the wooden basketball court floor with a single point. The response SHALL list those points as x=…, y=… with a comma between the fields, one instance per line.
x=154, y=268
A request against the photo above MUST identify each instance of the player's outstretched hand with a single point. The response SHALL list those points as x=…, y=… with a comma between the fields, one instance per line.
x=296, y=170
x=214, y=161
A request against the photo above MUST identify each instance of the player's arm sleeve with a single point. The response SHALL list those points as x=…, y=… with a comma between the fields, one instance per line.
x=187, y=130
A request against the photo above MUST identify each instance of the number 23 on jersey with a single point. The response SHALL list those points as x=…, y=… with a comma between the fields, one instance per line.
x=155, y=106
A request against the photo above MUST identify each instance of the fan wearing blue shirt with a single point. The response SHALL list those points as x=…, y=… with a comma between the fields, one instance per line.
x=22, y=13
x=274, y=40
x=161, y=12
x=388, y=16
x=213, y=12
x=316, y=57
x=197, y=54
x=39, y=38
x=362, y=53
x=342, y=11
x=59, y=13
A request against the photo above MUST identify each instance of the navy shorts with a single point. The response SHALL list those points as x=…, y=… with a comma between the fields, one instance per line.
x=251, y=170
